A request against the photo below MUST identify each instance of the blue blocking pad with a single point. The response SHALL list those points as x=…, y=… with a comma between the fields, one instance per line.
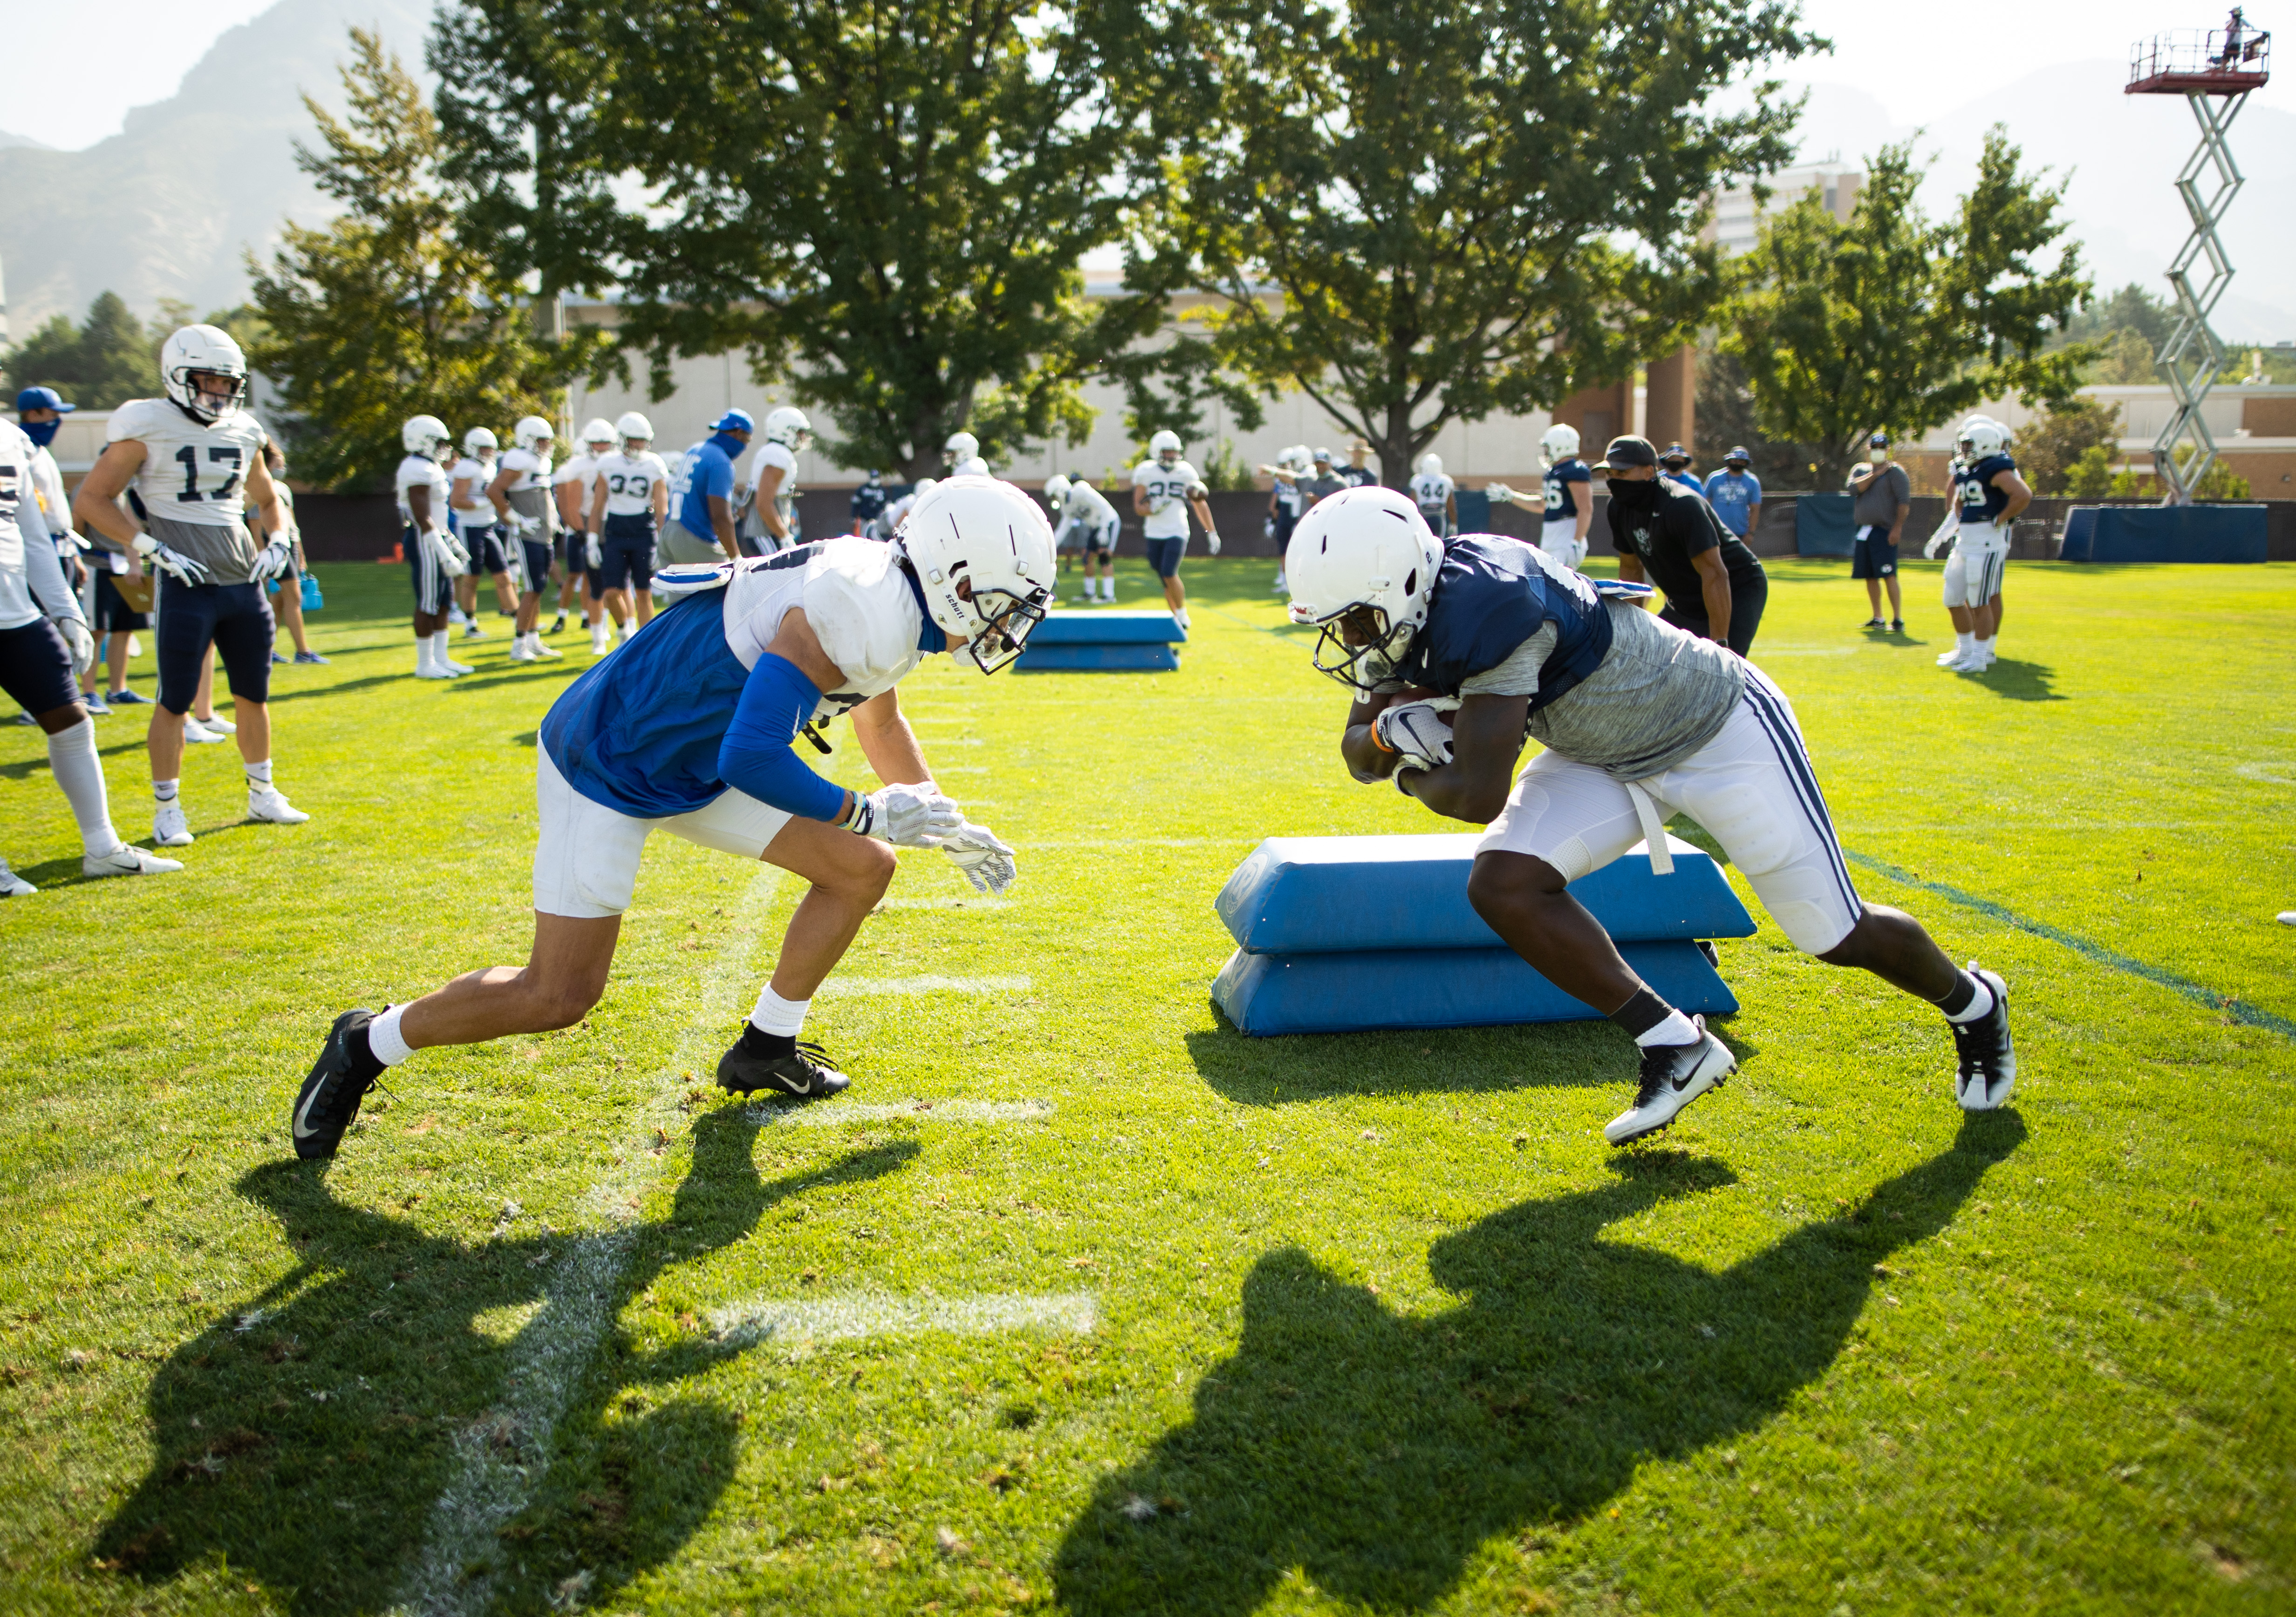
x=1095, y=659
x=1106, y=629
x=1266, y=995
x=1343, y=895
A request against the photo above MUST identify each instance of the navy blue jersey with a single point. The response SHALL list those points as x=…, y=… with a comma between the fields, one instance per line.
x=868, y=502
x=1358, y=477
x=1492, y=593
x=1972, y=487
x=1562, y=498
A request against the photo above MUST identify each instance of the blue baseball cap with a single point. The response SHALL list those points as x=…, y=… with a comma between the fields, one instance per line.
x=42, y=399
x=734, y=420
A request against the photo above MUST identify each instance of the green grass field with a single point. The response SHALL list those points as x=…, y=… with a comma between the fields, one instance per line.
x=1081, y=1301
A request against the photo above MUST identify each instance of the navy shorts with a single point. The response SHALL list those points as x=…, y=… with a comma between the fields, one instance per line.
x=486, y=547
x=628, y=554
x=232, y=618
x=113, y=615
x=1100, y=542
x=1872, y=559
x=572, y=553
x=434, y=591
x=1164, y=556
x=537, y=553
x=36, y=668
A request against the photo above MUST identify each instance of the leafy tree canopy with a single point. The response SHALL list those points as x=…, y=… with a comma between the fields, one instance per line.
x=106, y=360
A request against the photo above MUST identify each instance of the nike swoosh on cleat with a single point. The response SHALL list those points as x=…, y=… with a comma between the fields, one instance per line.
x=304, y=1110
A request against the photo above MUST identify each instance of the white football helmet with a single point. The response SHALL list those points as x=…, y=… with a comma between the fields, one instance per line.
x=961, y=447
x=1362, y=567
x=1056, y=491
x=925, y=485
x=971, y=466
x=1164, y=448
x=1559, y=443
x=788, y=427
x=1981, y=436
x=427, y=435
x=1430, y=465
x=983, y=551
x=478, y=439
x=598, y=431
x=532, y=432
x=206, y=350
x=630, y=426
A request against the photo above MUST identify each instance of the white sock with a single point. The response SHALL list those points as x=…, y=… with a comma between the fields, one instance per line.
x=1982, y=1005
x=165, y=791
x=1985, y=645
x=1966, y=641
x=259, y=775
x=1676, y=1030
x=71, y=758
x=421, y=653
x=382, y=1037
x=439, y=655
x=776, y=1014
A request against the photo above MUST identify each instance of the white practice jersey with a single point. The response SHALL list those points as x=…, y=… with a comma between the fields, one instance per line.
x=582, y=472
x=858, y=601
x=32, y=578
x=420, y=472
x=785, y=497
x=530, y=493
x=1433, y=492
x=1087, y=511
x=192, y=473
x=474, y=509
x=1168, y=497
x=631, y=480
x=56, y=505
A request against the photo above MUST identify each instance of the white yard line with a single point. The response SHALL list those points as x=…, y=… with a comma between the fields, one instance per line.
x=829, y=1113
x=499, y=1458
x=861, y=988
x=870, y=1314
x=974, y=901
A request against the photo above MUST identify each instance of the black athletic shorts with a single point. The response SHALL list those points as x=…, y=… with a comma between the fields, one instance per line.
x=232, y=618
x=113, y=615
x=1872, y=558
x=36, y=668
x=1164, y=556
x=1748, y=596
x=627, y=547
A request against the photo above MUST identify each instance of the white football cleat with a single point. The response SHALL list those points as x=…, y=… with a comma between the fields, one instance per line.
x=221, y=727
x=432, y=671
x=1672, y=1077
x=518, y=652
x=268, y=804
x=125, y=861
x=538, y=650
x=13, y=886
x=167, y=827
x=1972, y=663
x=196, y=732
x=454, y=667
x=1949, y=658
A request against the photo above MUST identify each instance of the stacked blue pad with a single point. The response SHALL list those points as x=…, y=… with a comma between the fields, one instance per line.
x=1347, y=934
x=1103, y=643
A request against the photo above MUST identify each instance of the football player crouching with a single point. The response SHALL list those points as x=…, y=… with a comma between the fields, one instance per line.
x=690, y=729
x=1640, y=720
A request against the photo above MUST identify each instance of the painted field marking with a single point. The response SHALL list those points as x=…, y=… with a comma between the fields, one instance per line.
x=1096, y=843
x=2198, y=993
x=976, y=902
x=2275, y=771
x=857, y=986
x=499, y=1456
x=869, y=1314
x=829, y=1115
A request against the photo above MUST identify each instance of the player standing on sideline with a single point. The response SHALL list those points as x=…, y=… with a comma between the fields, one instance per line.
x=633, y=490
x=1164, y=489
x=519, y=495
x=1287, y=503
x=1735, y=493
x=868, y=505
x=434, y=556
x=195, y=458
x=691, y=730
x=1881, y=498
x=1639, y=721
x=1988, y=494
x=1086, y=510
x=1435, y=497
x=44, y=644
x=1674, y=466
x=487, y=542
x=700, y=532
x=572, y=485
x=1569, y=497
x=289, y=602
x=1668, y=533
x=773, y=472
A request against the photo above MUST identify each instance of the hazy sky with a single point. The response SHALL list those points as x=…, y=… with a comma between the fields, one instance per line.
x=78, y=66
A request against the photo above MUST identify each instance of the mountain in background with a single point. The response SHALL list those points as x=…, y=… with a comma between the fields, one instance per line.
x=8, y=140
x=168, y=206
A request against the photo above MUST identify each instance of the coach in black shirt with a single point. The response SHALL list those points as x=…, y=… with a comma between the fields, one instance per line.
x=1670, y=536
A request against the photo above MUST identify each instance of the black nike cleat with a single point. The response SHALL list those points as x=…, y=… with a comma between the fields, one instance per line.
x=1988, y=1060
x=803, y=1074
x=1673, y=1076
x=331, y=1096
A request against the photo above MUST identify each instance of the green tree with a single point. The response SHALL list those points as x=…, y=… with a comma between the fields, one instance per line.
x=886, y=202
x=2131, y=308
x=2051, y=448
x=1889, y=322
x=1433, y=210
x=100, y=364
x=391, y=311
x=2091, y=477
x=2125, y=359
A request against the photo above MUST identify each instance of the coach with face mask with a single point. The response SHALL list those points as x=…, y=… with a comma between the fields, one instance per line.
x=1666, y=534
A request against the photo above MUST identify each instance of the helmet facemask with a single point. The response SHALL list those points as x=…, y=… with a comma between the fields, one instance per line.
x=206, y=393
x=1360, y=647
x=1007, y=622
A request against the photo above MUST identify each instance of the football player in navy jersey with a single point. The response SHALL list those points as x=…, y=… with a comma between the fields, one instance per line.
x=691, y=728
x=1639, y=721
x=868, y=505
x=1567, y=495
x=1988, y=494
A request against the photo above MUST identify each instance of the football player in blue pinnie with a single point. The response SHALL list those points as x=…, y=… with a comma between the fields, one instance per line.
x=1460, y=653
x=1988, y=494
x=1164, y=489
x=691, y=728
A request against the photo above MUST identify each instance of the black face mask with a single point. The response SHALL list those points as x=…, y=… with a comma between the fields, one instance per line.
x=1634, y=495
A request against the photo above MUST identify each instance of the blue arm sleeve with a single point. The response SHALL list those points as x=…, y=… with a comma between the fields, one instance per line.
x=756, y=754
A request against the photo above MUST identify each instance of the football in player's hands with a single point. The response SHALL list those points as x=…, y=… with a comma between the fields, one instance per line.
x=1419, y=730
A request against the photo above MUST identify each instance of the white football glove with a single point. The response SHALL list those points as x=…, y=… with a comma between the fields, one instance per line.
x=986, y=861
x=1500, y=494
x=452, y=559
x=79, y=642
x=1946, y=531
x=1419, y=730
x=184, y=568
x=905, y=816
x=271, y=561
x=595, y=551
x=1211, y=541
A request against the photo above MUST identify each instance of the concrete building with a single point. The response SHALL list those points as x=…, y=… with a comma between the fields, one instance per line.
x=1737, y=217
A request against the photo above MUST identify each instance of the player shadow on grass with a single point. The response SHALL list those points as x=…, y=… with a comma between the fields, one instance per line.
x=305, y=1439
x=2017, y=681
x=1377, y=1454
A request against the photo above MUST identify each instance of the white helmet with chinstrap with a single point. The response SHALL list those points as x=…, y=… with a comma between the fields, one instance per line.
x=1430, y=465
x=983, y=552
x=631, y=425
x=203, y=350
x=1056, y=490
x=1362, y=567
x=1981, y=436
x=478, y=439
x=1559, y=443
x=961, y=447
x=597, y=430
x=531, y=432
x=426, y=435
x=1164, y=448
x=788, y=427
